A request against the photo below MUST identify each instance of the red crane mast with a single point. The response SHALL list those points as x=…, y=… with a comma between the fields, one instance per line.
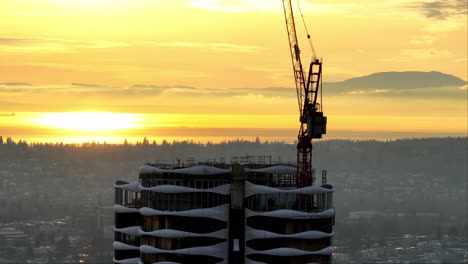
x=313, y=122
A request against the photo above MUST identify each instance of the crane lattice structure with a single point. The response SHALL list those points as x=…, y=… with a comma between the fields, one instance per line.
x=313, y=122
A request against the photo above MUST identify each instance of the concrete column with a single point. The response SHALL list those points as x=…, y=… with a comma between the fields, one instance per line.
x=237, y=215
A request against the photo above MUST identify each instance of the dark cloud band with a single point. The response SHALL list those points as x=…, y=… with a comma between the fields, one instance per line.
x=442, y=9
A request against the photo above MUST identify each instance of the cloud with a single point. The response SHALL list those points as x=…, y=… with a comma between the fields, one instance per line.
x=225, y=6
x=142, y=90
x=264, y=69
x=8, y=115
x=42, y=45
x=447, y=25
x=240, y=6
x=41, y=13
x=369, y=92
x=86, y=85
x=143, y=98
x=217, y=47
x=441, y=9
x=426, y=53
x=39, y=45
x=449, y=92
x=333, y=72
x=187, y=91
x=423, y=40
x=158, y=93
x=15, y=84
x=168, y=99
x=420, y=54
x=140, y=86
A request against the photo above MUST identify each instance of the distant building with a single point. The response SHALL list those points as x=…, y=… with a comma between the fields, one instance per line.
x=243, y=212
x=10, y=237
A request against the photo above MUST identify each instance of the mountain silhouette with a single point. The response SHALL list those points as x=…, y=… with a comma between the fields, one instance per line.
x=396, y=81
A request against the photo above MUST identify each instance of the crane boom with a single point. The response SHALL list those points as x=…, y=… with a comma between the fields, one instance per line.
x=295, y=51
x=313, y=122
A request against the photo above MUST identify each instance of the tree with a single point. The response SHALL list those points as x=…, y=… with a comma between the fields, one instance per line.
x=439, y=232
x=29, y=252
x=453, y=231
x=63, y=245
x=50, y=238
x=38, y=239
x=2, y=243
x=1, y=140
x=11, y=252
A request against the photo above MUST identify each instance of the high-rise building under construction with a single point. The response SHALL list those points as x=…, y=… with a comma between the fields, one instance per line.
x=248, y=211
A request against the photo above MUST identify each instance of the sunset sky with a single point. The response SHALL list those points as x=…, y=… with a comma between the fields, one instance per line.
x=206, y=67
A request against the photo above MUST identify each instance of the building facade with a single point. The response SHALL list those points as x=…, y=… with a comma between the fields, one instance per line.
x=222, y=213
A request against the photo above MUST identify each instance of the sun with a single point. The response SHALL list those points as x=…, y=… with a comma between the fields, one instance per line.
x=88, y=121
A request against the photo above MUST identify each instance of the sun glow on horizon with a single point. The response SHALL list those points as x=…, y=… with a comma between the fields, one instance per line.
x=88, y=121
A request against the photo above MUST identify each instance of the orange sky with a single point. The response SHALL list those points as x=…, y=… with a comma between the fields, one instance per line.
x=218, y=45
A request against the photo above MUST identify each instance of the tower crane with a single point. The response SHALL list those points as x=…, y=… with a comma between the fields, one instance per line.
x=312, y=121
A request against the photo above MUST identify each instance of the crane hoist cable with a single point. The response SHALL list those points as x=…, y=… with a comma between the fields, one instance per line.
x=307, y=30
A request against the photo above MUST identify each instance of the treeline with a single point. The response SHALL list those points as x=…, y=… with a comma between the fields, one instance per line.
x=146, y=151
x=433, y=159
x=145, y=142
x=433, y=155
x=411, y=175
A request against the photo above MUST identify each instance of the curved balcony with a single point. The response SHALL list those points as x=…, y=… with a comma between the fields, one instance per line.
x=169, y=233
x=307, y=199
x=218, y=250
x=128, y=261
x=278, y=169
x=124, y=209
x=224, y=189
x=180, y=259
x=290, y=214
x=219, y=213
x=289, y=252
x=273, y=176
x=249, y=261
x=252, y=189
x=194, y=170
x=137, y=187
x=127, y=194
x=172, y=262
x=126, y=256
x=131, y=231
x=252, y=233
x=122, y=246
x=172, y=197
